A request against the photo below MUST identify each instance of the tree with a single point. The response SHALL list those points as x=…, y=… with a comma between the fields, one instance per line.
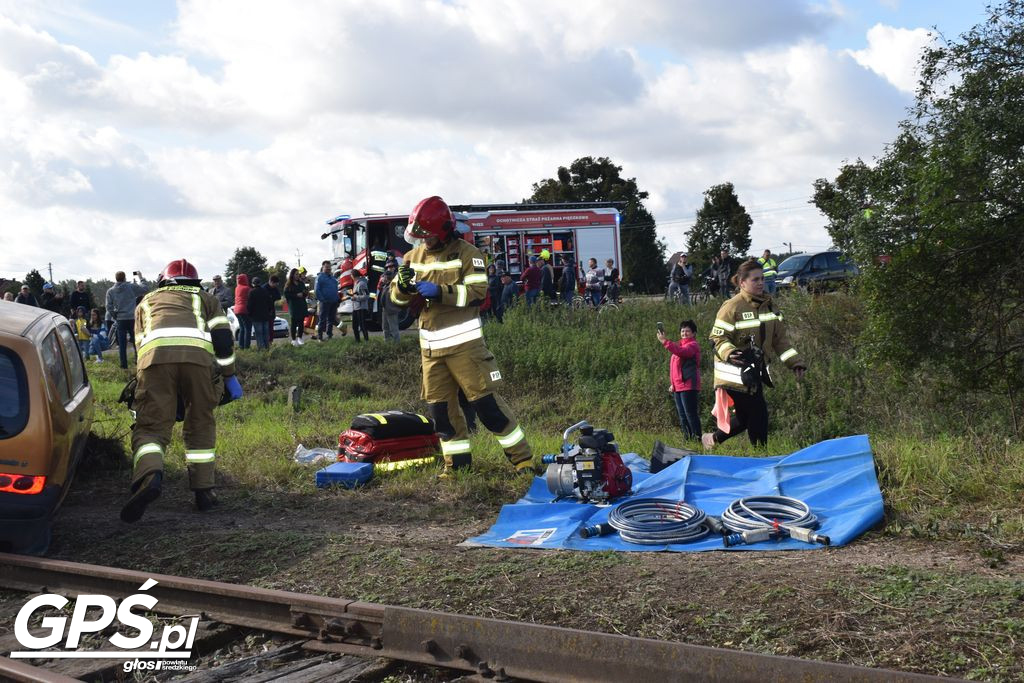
x=35, y=282
x=722, y=223
x=246, y=260
x=945, y=205
x=598, y=180
x=281, y=270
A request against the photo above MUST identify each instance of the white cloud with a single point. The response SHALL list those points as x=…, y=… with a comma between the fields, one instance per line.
x=893, y=53
x=263, y=120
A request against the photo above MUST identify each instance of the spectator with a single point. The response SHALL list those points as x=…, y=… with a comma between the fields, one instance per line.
x=8, y=296
x=567, y=283
x=679, y=285
x=295, y=293
x=494, y=289
x=532, y=279
x=360, y=305
x=51, y=301
x=611, y=280
x=509, y=293
x=684, y=374
x=26, y=297
x=389, y=310
x=241, y=309
x=98, y=341
x=326, y=290
x=82, y=335
x=223, y=293
x=261, y=311
x=725, y=268
x=595, y=279
x=81, y=297
x=710, y=277
x=121, y=300
x=547, y=280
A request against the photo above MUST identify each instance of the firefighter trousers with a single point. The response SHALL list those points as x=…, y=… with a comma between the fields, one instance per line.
x=156, y=399
x=471, y=368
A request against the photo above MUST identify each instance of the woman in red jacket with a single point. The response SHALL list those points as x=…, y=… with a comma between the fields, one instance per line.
x=684, y=371
x=241, y=309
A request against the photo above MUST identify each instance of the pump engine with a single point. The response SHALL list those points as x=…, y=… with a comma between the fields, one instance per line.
x=590, y=469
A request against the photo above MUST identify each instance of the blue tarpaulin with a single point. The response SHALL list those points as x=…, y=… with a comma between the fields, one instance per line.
x=835, y=478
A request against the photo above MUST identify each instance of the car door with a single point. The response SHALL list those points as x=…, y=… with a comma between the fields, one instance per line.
x=817, y=272
x=77, y=403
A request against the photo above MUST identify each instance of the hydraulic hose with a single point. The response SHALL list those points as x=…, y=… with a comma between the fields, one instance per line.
x=759, y=518
x=654, y=521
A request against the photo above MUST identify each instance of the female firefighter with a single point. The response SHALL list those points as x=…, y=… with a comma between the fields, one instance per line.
x=747, y=329
x=448, y=273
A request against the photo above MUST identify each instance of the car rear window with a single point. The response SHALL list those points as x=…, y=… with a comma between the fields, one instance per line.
x=54, y=362
x=13, y=394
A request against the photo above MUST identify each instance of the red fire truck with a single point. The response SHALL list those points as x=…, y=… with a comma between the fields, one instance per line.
x=507, y=234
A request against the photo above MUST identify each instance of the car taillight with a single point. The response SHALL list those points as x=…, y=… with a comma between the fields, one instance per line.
x=20, y=483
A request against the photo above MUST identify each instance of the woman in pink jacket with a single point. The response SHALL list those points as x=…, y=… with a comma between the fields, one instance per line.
x=684, y=371
x=241, y=309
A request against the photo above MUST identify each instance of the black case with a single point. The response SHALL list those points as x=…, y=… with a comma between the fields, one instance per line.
x=662, y=456
x=393, y=424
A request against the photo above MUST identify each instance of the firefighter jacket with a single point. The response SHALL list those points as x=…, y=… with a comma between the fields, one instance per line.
x=183, y=324
x=452, y=319
x=740, y=318
x=769, y=266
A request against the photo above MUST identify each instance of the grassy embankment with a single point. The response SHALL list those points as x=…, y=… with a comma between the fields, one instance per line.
x=946, y=461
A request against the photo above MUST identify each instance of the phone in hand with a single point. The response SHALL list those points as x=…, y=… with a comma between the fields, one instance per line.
x=661, y=328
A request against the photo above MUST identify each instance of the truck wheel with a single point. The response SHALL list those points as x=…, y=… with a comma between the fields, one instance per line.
x=406, y=319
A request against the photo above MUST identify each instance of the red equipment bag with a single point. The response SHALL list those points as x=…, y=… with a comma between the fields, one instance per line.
x=390, y=440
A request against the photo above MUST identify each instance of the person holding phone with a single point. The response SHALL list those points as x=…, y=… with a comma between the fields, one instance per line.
x=684, y=374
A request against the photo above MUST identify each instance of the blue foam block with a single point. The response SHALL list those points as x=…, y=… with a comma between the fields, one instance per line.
x=347, y=474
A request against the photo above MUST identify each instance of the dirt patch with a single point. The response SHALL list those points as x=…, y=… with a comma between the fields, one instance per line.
x=927, y=605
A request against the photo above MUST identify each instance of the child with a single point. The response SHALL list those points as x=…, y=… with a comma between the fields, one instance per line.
x=98, y=342
x=82, y=331
x=684, y=371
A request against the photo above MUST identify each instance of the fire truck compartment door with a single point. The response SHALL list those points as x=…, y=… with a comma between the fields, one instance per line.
x=596, y=243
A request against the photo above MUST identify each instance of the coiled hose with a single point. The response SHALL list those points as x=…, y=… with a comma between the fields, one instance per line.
x=658, y=521
x=759, y=518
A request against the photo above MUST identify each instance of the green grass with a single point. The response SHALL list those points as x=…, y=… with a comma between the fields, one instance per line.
x=945, y=460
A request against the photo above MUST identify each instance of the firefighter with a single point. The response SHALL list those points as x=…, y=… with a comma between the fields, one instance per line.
x=186, y=356
x=345, y=284
x=747, y=330
x=378, y=257
x=448, y=273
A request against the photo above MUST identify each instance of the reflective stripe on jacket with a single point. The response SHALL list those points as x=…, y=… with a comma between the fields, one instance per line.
x=769, y=266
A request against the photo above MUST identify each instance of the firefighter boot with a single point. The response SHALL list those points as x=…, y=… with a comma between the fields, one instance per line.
x=144, y=492
x=205, y=499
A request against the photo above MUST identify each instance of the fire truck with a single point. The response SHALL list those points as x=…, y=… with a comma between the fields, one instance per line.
x=507, y=234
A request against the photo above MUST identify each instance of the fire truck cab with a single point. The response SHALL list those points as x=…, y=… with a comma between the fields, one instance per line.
x=507, y=234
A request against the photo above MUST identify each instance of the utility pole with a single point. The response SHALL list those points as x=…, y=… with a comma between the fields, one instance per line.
x=789, y=245
x=298, y=258
x=49, y=267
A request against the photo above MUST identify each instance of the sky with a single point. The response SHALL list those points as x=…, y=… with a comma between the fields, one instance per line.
x=136, y=133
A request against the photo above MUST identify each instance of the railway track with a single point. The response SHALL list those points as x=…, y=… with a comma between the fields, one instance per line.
x=489, y=649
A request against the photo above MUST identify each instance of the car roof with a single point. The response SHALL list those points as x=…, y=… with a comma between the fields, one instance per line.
x=17, y=318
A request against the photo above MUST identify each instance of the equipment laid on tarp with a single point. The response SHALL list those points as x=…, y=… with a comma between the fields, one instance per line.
x=591, y=469
x=835, y=479
x=390, y=440
x=347, y=474
x=662, y=456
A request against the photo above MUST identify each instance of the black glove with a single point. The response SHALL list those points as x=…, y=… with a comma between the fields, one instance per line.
x=405, y=277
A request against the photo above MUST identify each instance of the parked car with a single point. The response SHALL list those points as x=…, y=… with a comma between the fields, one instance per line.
x=820, y=272
x=46, y=412
x=280, y=325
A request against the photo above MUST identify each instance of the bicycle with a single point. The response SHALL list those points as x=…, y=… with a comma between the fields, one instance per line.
x=580, y=302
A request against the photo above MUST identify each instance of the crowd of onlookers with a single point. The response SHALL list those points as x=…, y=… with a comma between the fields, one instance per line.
x=715, y=280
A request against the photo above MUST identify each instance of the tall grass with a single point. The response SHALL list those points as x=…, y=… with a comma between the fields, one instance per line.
x=932, y=442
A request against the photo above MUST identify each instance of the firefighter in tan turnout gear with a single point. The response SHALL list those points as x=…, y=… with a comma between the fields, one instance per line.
x=449, y=273
x=186, y=355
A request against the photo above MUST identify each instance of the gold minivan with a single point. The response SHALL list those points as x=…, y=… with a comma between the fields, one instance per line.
x=46, y=411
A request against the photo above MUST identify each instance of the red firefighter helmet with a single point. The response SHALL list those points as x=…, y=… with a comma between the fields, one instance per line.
x=430, y=218
x=179, y=270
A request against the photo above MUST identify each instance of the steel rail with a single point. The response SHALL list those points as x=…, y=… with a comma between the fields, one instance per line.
x=14, y=670
x=502, y=650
